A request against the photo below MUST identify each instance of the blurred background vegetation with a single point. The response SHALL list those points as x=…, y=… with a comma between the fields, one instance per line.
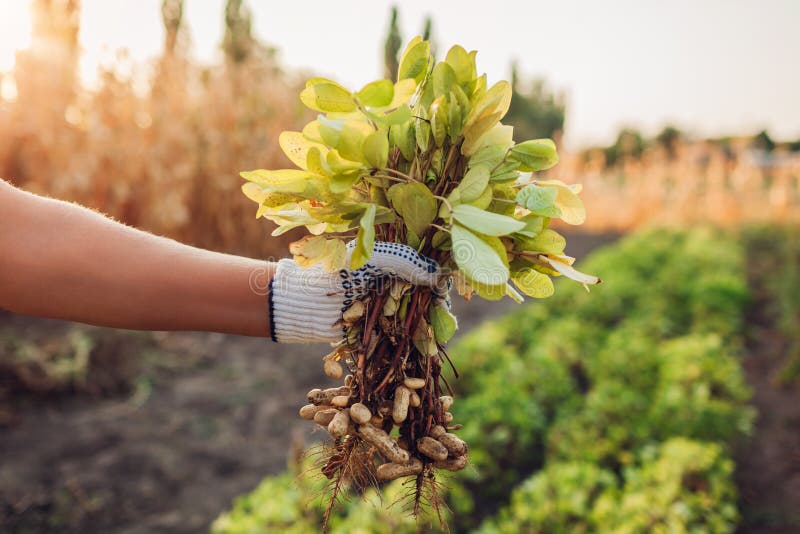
x=662, y=402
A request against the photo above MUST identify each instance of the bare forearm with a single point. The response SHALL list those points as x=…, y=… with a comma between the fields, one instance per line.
x=62, y=261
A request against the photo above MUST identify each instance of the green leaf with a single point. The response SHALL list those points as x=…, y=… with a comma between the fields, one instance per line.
x=439, y=120
x=422, y=131
x=415, y=204
x=398, y=116
x=296, y=146
x=473, y=184
x=343, y=182
x=443, y=322
x=330, y=130
x=533, y=283
x=506, y=172
x=534, y=225
x=336, y=164
x=547, y=242
x=365, y=240
x=463, y=63
x=535, y=155
x=402, y=136
x=567, y=201
x=403, y=91
x=540, y=200
x=325, y=95
x=377, y=94
x=315, y=161
x=485, y=222
x=376, y=149
x=414, y=61
x=351, y=139
x=286, y=181
x=477, y=259
x=485, y=200
x=444, y=78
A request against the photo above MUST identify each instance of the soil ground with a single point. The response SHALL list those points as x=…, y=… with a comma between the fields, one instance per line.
x=768, y=466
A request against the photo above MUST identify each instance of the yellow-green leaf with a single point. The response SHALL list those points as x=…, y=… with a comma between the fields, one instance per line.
x=325, y=95
x=376, y=149
x=415, y=204
x=547, y=242
x=443, y=322
x=312, y=250
x=365, y=240
x=533, y=283
x=377, y=94
x=414, y=61
x=463, y=63
x=477, y=259
x=567, y=201
x=485, y=222
x=444, y=78
x=535, y=155
x=473, y=184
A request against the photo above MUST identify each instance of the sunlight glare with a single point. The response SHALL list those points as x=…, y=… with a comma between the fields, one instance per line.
x=15, y=30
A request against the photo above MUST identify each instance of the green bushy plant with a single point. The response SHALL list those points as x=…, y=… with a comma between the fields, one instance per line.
x=682, y=486
x=587, y=407
x=561, y=498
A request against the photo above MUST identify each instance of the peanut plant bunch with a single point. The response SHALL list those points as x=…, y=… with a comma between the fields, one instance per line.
x=423, y=161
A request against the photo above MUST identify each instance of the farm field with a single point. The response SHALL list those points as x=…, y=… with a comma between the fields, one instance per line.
x=664, y=401
x=209, y=415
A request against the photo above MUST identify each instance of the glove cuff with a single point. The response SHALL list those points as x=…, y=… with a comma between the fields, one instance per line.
x=305, y=305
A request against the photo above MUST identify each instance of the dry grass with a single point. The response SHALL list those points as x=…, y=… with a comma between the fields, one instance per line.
x=703, y=183
x=164, y=157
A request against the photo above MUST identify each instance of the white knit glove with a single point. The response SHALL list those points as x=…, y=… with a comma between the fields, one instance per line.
x=306, y=304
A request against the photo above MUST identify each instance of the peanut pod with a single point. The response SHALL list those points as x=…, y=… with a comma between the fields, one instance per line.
x=338, y=425
x=447, y=402
x=454, y=445
x=393, y=471
x=432, y=448
x=414, y=383
x=400, y=410
x=385, y=445
x=325, y=396
x=452, y=464
x=341, y=401
x=333, y=369
x=324, y=417
x=359, y=413
x=310, y=410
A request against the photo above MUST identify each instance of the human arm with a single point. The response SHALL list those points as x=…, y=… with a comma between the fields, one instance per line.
x=62, y=261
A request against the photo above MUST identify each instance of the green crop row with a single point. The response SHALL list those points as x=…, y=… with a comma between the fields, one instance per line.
x=613, y=411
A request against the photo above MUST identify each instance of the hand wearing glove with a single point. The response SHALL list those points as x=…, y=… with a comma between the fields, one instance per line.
x=306, y=304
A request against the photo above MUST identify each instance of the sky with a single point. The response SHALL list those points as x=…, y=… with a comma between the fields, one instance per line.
x=712, y=67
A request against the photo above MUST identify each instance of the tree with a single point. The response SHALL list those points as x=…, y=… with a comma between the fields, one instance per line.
x=668, y=139
x=238, y=41
x=629, y=145
x=391, y=49
x=535, y=111
x=172, y=17
x=763, y=141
